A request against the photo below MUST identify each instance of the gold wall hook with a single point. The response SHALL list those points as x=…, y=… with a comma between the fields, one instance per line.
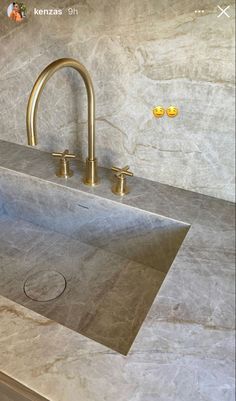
x=120, y=187
x=64, y=169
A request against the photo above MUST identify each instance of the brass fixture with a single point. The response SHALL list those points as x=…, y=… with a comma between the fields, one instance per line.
x=91, y=162
x=64, y=164
x=120, y=187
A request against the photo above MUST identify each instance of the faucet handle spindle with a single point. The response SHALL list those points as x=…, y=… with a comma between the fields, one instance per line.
x=64, y=164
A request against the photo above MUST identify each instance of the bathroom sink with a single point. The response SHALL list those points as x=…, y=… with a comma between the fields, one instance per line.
x=90, y=264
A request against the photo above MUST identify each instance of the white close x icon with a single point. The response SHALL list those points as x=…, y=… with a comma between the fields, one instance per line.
x=223, y=11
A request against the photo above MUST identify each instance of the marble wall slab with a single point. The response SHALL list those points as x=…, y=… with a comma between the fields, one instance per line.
x=139, y=53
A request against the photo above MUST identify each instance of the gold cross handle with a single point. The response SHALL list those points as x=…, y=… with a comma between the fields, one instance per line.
x=64, y=155
x=120, y=188
x=122, y=171
x=64, y=165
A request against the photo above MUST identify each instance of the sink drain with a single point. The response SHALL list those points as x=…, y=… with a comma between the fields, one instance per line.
x=44, y=285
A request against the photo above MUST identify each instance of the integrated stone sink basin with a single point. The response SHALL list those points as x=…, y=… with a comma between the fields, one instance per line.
x=88, y=263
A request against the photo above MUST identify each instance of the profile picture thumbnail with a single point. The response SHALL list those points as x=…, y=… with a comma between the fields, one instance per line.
x=16, y=11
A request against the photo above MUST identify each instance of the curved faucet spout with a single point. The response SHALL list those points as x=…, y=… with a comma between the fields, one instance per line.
x=91, y=167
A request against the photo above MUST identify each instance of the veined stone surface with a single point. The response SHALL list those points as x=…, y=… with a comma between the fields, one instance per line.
x=185, y=349
x=101, y=274
x=140, y=54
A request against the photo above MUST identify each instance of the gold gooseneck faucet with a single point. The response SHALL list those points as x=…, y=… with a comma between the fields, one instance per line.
x=91, y=162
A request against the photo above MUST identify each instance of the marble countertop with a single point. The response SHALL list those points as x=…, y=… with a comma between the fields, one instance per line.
x=183, y=351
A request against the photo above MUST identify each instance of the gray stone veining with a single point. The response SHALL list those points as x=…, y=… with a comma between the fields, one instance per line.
x=122, y=230
x=140, y=54
x=114, y=257
x=106, y=297
x=185, y=348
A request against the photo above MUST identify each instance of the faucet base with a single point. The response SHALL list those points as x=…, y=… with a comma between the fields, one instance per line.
x=120, y=188
x=91, y=177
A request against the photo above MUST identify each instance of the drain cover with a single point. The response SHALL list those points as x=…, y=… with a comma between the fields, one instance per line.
x=44, y=285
